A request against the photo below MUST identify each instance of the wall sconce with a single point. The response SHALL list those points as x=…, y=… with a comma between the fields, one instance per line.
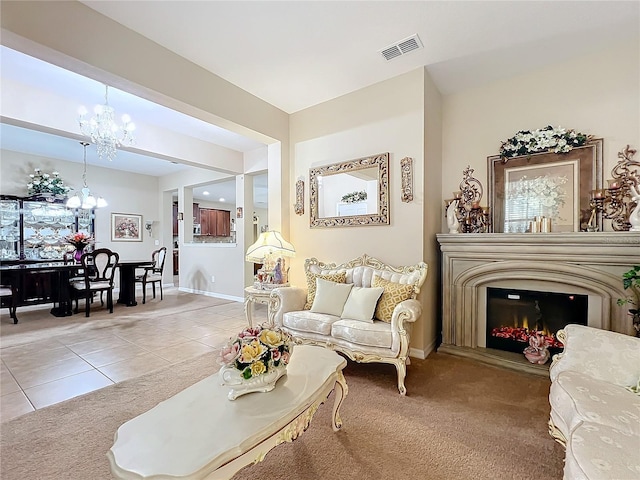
x=299, y=205
x=406, y=167
x=180, y=216
x=472, y=218
x=148, y=225
x=239, y=212
x=616, y=202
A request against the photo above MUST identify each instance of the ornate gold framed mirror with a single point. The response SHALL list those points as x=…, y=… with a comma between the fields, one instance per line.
x=350, y=193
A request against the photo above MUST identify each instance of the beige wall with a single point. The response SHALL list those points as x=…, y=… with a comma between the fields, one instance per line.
x=595, y=93
x=385, y=117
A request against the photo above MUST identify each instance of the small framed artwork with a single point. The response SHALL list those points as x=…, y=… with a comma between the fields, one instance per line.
x=126, y=227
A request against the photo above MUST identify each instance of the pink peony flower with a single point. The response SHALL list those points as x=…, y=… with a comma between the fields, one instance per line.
x=230, y=353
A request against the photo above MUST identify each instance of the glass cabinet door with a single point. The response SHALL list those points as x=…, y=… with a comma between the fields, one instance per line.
x=46, y=226
x=9, y=229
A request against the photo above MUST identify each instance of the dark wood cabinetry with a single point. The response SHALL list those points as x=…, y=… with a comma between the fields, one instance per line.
x=216, y=223
x=196, y=216
x=223, y=223
x=213, y=222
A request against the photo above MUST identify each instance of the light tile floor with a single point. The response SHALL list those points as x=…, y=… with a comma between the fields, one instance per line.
x=38, y=374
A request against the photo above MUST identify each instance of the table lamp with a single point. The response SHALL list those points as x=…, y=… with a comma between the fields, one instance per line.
x=270, y=250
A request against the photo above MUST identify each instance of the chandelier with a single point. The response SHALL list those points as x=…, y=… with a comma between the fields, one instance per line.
x=102, y=129
x=84, y=199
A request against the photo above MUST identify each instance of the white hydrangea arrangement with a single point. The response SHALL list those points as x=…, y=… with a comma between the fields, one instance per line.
x=355, y=197
x=556, y=139
x=40, y=182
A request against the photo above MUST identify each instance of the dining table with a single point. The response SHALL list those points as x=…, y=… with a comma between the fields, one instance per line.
x=127, y=295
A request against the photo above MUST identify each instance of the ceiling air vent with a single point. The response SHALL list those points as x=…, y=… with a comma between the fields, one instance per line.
x=402, y=47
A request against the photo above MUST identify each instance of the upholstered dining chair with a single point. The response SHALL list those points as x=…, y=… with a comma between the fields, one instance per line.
x=10, y=293
x=98, y=271
x=153, y=274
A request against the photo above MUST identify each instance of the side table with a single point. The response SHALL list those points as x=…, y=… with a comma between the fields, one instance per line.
x=254, y=295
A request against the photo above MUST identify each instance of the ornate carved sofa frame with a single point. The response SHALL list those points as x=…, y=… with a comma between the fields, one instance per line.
x=363, y=342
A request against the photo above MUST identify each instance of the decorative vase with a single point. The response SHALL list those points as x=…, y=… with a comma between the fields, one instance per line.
x=232, y=377
x=77, y=255
x=537, y=356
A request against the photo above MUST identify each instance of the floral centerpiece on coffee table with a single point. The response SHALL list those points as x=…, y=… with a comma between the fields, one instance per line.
x=255, y=359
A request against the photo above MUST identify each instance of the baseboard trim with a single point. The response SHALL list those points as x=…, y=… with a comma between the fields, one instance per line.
x=420, y=353
x=212, y=294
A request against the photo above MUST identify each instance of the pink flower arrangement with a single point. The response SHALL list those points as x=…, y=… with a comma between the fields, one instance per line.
x=257, y=350
x=79, y=240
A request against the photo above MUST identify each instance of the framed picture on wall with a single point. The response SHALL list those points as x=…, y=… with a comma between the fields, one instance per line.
x=126, y=227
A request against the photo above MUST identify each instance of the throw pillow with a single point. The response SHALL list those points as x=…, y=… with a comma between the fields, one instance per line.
x=361, y=303
x=393, y=294
x=330, y=297
x=339, y=277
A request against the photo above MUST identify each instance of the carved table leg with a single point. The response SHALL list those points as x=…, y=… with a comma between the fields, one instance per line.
x=340, y=391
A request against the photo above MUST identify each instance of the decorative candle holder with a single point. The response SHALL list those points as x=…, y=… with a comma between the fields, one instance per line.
x=472, y=217
x=615, y=202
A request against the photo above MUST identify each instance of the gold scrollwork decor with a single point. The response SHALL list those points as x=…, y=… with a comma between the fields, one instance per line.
x=406, y=167
x=329, y=183
x=299, y=205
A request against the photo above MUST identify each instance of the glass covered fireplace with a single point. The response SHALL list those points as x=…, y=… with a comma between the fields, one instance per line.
x=514, y=315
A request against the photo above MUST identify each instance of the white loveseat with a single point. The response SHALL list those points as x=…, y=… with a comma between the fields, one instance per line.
x=594, y=412
x=373, y=341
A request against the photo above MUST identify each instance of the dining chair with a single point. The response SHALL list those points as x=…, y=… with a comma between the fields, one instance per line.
x=153, y=274
x=10, y=292
x=98, y=271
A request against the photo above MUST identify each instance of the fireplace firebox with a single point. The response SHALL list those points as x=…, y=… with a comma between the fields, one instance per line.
x=514, y=315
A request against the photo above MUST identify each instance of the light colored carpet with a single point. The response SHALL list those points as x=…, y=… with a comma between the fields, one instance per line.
x=460, y=420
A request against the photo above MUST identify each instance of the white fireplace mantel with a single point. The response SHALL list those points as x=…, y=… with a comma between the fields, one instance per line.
x=583, y=263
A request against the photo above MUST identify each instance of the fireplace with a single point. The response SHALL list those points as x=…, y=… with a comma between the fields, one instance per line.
x=568, y=264
x=513, y=315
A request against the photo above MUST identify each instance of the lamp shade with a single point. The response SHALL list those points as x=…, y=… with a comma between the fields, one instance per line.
x=269, y=243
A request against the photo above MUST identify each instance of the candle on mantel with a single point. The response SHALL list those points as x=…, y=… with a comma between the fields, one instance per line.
x=457, y=195
x=613, y=184
x=597, y=193
x=486, y=210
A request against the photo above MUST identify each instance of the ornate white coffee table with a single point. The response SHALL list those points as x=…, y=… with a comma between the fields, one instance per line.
x=200, y=433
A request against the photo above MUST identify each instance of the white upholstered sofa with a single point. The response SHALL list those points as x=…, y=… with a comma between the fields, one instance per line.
x=595, y=413
x=370, y=340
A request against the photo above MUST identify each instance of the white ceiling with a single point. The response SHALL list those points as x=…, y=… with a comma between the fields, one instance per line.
x=295, y=54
